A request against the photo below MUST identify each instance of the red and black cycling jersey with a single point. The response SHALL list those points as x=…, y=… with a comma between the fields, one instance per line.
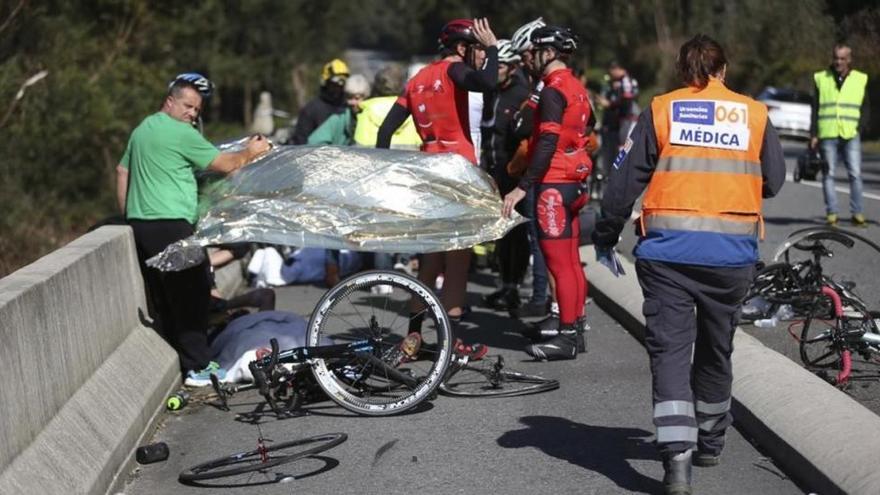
x=437, y=98
x=556, y=149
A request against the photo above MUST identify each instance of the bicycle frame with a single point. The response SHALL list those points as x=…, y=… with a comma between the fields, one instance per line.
x=845, y=355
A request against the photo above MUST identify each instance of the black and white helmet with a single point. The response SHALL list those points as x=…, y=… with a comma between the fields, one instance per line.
x=506, y=53
x=521, y=39
x=202, y=83
x=560, y=38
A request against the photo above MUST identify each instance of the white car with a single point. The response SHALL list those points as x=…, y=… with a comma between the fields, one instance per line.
x=789, y=111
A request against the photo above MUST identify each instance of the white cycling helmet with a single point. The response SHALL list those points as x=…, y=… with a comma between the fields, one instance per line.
x=202, y=83
x=521, y=39
x=506, y=53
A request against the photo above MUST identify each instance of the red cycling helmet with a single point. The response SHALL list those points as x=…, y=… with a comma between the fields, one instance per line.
x=457, y=30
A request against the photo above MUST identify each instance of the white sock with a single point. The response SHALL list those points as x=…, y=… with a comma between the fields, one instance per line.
x=554, y=307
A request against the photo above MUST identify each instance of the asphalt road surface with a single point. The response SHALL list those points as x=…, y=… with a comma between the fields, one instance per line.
x=592, y=435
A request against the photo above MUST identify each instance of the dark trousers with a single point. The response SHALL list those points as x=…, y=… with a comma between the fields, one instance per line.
x=513, y=249
x=691, y=314
x=179, y=301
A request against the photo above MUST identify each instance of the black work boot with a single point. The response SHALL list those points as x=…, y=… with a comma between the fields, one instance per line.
x=677, y=477
x=563, y=346
x=543, y=329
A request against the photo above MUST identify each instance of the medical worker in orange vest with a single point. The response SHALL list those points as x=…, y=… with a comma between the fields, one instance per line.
x=707, y=156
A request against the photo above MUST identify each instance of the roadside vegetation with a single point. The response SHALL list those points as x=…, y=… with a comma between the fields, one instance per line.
x=77, y=76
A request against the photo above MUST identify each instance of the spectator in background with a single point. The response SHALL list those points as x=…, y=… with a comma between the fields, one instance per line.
x=499, y=145
x=839, y=116
x=537, y=304
x=338, y=129
x=387, y=86
x=621, y=111
x=330, y=100
x=156, y=189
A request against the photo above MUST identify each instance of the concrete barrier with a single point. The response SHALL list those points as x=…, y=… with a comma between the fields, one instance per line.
x=83, y=377
x=824, y=439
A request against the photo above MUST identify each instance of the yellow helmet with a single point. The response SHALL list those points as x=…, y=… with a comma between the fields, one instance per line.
x=335, y=70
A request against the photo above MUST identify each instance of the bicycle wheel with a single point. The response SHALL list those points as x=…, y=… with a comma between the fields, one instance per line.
x=488, y=378
x=254, y=461
x=818, y=346
x=378, y=384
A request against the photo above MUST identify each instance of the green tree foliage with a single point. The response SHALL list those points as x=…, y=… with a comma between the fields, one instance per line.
x=108, y=63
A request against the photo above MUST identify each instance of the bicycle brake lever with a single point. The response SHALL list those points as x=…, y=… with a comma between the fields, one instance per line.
x=259, y=377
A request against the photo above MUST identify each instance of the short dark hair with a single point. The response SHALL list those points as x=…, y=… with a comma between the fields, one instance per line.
x=699, y=58
x=176, y=89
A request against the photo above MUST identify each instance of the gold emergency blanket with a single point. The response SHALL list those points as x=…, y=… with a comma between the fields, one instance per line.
x=361, y=199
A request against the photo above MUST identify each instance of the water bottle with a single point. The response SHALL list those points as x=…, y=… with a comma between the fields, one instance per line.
x=767, y=322
x=871, y=338
x=177, y=401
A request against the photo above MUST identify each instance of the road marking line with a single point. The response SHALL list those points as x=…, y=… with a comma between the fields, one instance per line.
x=812, y=183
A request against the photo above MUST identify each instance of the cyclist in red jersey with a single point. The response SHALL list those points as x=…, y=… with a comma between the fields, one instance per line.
x=559, y=164
x=437, y=98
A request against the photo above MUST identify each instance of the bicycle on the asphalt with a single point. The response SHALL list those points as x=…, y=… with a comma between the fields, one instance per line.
x=359, y=351
x=831, y=323
x=795, y=282
x=260, y=465
x=489, y=377
x=833, y=342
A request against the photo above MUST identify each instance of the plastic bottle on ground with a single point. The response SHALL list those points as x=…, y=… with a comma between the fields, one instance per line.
x=767, y=322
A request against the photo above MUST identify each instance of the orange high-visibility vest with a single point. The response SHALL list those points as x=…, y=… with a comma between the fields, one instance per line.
x=703, y=204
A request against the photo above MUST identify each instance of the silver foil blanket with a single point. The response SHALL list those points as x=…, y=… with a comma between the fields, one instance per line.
x=361, y=199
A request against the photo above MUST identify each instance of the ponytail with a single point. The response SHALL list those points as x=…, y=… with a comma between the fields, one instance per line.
x=699, y=58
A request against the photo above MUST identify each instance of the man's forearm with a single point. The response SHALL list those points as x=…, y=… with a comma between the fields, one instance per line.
x=230, y=162
x=121, y=187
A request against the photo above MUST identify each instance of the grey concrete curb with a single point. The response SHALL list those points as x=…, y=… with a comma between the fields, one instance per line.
x=825, y=440
x=84, y=379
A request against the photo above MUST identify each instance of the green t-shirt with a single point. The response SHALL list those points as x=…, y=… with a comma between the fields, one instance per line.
x=162, y=155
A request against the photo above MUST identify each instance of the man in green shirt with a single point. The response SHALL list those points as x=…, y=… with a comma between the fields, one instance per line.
x=157, y=192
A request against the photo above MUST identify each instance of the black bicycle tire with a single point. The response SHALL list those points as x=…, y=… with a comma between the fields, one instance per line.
x=808, y=340
x=537, y=384
x=799, y=235
x=203, y=471
x=336, y=388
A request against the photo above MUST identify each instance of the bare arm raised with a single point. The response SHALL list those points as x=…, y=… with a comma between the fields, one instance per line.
x=230, y=162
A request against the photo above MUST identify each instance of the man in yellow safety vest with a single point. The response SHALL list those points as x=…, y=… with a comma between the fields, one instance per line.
x=840, y=113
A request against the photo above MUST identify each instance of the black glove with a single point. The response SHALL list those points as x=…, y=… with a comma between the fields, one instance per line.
x=607, y=232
